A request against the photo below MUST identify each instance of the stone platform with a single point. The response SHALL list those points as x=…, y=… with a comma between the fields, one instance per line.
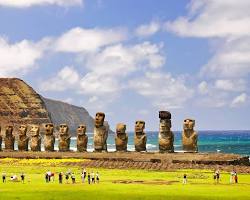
x=145, y=157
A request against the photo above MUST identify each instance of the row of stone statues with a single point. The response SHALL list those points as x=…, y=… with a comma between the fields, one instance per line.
x=166, y=136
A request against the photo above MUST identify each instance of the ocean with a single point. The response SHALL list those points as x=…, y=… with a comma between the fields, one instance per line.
x=237, y=142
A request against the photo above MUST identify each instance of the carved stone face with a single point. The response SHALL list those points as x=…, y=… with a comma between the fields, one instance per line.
x=81, y=130
x=120, y=128
x=49, y=129
x=99, y=119
x=8, y=130
x=22, y=130
x=34, y=131
x=188, y=124
x=165, y=125
x=63, y=129
x=139, y=126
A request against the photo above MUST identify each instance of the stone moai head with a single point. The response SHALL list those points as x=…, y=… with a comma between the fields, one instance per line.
x=139, y=126
x=35, y=130
x=49, y=129
x=81, y=129
x=189, y=124
x=120, y=129
x=8, y=130
x=99, y=119
x=22, y=130
x=165, y=121
x=63, y=129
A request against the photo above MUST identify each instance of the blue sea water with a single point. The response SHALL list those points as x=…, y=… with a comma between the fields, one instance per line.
x=237, y=142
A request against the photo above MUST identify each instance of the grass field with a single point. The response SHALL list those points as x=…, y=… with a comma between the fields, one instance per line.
x=150, y=184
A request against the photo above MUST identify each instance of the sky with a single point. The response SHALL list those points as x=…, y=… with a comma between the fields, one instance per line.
x=131, y=59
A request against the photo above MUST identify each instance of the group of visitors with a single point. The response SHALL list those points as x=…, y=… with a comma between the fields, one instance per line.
x=233, y=177
x=49, y=176
x=13, y=178
x=92, y=177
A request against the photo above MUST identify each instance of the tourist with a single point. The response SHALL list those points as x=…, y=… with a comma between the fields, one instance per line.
x=82, y=177
x=60, y=177
x=97, y=177
x=49, y=175
x=88, y=178
x=93, y=177
x=184, y=179
x=4, y=177
x=235, y=177
x=22, y=177
x=46, y=177
x=67, y=177
x=217, y=175
x=84, y=173
x=232, y=176
x=52, y=176
x=73, y=178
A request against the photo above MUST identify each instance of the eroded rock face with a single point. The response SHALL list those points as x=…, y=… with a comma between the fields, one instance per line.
x=64, y=138
x=189, y=136
x=100, y=133
x=140, y=138
x=166, y=136
x=121, y=137
x=49, y=138
x=82, y=138
x=9, y=139
x=35, y=139
x=23, y=139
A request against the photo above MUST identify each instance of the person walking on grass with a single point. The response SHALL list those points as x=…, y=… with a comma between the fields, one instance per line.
x=4, y=177
x=217, y=175
x=235, y=177
x=73, y=178
x=232, y=176
x=60, y=177
x=184, y=179
x=84, y=173
x=88, y=178
x=97, y=177
x=82, y=177
x=22, y=177
x=93, y=177
x=67, y=177
x=46, y=177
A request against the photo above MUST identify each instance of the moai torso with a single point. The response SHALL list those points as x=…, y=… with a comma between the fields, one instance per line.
x=140, y=138
x=64, y=138
x=121, y=137
x=9, y=139
x=23, y=139
x=49, y=138
x=82, y=138
x=1, y=140
x=35, y=139
x=189, y=136
x=166, y=136
x=100, y=133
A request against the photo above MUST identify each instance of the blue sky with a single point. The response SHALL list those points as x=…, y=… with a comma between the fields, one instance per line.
x=131, y=59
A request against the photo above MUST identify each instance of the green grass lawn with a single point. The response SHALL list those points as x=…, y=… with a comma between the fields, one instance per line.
x=200, y=183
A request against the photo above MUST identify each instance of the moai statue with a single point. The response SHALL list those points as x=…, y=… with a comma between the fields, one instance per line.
x=64, y=138
x=1, y=140
x=100, y=133
x=189, y=136
x=140, y=138
x=121, y=137
x=23, y=139
x=35, y=139
x=166, y=136
x=9, y=139
x=82, y=138
x=49, y=138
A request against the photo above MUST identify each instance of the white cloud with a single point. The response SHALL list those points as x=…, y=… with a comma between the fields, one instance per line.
x=213, y=18
x=148, y=29
x=30, y=3
x=88, y=40
x=165, y=91
x=66, y=78
x=230, y=85
x=18, y=58
x=239, y=100
x=203, y=87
